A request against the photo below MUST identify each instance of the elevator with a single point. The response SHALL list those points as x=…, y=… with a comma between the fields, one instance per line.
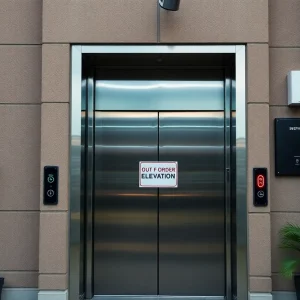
x=166, y=241
x=158, y=241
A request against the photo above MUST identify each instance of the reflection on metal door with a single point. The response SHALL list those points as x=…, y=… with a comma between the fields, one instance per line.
x=150, y=241
x=191, y=217
x=125, y=218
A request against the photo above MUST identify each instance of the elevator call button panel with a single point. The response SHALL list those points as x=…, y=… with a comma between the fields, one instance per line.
x=50, y=185
x=287, y=147
x=260, y=187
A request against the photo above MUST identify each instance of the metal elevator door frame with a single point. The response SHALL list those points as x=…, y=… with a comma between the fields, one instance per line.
x=90, y=180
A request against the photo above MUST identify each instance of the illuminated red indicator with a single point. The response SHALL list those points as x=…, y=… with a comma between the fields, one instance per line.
x=260, y=181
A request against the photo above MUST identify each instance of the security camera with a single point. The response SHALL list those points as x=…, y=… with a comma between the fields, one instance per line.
x=169, y=4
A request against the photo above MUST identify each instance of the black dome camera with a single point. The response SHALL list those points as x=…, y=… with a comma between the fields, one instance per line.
x=169, y=4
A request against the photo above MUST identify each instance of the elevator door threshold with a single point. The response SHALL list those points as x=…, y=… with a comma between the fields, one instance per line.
x=138, y=297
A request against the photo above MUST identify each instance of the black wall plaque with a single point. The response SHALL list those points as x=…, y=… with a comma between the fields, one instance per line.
x=287, y=147
x=50, y=185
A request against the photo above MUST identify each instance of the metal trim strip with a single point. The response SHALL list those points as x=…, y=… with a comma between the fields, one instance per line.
x=74, y=173
x=158, y=49
x=227, y=175
x=137, y=297
x=90, y=187
x=241, y=175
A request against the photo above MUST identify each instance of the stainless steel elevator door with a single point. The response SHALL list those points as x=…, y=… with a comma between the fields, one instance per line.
x=191, y=217
x=125, y=217
x=150, y=241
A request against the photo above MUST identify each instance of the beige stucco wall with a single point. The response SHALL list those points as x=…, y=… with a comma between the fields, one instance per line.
x=20, y=134
x=34, y=106
x=284, y=56
x=53, y=255
x=131, y=21
x=258, y=156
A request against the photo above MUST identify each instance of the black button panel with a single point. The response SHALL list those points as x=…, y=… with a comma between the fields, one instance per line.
x=50, y=185
x=260, y=187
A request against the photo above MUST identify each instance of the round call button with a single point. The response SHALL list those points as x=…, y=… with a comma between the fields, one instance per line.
x=50, y=193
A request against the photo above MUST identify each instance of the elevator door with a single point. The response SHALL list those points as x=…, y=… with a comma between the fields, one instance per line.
x=167, y=241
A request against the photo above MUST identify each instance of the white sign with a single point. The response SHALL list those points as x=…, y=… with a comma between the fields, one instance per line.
x=158, y=174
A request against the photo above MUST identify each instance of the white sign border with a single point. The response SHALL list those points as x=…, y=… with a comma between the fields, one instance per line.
x=158, y=162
